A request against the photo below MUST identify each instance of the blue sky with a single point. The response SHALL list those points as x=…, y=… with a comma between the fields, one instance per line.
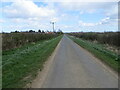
x=69, y=16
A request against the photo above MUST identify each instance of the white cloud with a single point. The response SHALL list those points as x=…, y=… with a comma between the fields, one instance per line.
x=2, y=21
x=64, y=0
x=25, y=14
x=80, y=5
x=87, y=6
x=27, y=9
x=112, y=12
x=55, y=19
x=81, y=23
x=104, y=21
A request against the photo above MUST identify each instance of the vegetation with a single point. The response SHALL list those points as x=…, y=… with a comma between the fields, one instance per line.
x=15, y=40
x=111, y=38
x=99, y=51
x=20, y=65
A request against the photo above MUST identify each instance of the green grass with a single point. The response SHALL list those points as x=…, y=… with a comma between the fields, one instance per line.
x=99, y=51
x=21, y=65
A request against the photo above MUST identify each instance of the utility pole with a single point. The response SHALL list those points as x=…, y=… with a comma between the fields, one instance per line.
x=53, y=23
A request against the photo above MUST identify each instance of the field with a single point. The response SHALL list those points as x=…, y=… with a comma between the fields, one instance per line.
x=99, y=50
x=22, y=61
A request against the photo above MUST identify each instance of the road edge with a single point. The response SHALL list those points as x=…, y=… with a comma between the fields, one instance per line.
x=40, y=78
x=102, y=63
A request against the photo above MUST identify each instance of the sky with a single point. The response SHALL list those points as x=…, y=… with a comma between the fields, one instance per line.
x=69, y=15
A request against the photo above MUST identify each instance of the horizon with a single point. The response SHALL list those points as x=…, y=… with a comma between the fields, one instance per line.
x=62, y=31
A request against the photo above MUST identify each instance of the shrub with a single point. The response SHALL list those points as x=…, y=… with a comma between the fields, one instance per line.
x=14, y=40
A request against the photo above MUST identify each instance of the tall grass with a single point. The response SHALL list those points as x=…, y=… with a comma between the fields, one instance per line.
x=20, y=65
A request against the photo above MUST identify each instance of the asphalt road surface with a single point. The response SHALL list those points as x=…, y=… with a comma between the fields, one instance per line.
x=74, y=67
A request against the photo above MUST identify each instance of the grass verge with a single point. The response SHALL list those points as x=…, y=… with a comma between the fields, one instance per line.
x=99, y=51
x=21, y=65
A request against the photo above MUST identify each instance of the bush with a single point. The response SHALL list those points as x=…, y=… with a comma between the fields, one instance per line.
x=111, y=38
x=14, y=40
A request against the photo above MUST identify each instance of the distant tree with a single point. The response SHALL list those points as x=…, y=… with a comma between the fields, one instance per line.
x=43, y=31
x=48, y=31
x=59, y=32
x=54, y=31
x=16, y=31
x=39, y=31
x=3, y=32
x=31, y=31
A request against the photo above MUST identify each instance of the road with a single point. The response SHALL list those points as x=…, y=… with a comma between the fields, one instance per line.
x=74, y=67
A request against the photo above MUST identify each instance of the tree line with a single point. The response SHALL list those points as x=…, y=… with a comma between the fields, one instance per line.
x=17, y=39
x=39, y=31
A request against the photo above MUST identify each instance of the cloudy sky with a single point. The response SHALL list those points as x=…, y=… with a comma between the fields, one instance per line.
x=70, y=16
